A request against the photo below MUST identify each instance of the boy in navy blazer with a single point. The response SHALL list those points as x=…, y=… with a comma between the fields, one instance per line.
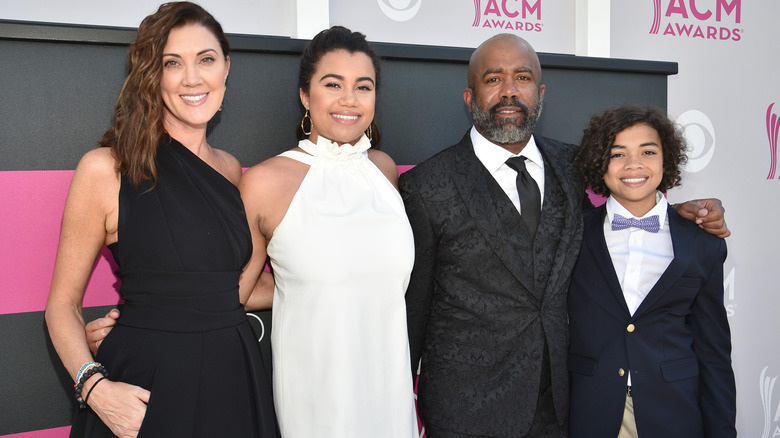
x=650, y=349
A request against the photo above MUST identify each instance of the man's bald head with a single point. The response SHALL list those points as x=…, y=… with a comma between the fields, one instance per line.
x=508, y=44
x=505, y=91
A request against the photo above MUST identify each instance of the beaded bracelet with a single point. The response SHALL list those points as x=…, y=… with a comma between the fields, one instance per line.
x=84, y=368
x=97, y=368
x=93, y=387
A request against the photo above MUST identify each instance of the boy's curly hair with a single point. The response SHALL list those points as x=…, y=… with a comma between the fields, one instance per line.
x=593, y=155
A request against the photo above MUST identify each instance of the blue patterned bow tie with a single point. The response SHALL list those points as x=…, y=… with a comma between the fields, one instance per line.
x=649, y=223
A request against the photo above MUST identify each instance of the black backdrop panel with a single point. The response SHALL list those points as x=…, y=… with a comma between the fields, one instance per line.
x=60, y=83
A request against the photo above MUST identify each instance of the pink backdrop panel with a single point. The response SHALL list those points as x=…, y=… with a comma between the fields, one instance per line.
x=31, y=205
x=597, y=200
x=59, y=432
x=404, y=167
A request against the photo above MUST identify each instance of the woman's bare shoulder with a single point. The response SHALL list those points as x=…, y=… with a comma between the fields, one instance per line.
x=228, y=165
x=385, y=164
x=98, y=159
x=97, y=166
x=268, y=189
x=275, y=171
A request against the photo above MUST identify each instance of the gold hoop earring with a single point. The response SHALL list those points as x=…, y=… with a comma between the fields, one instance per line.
x=369, y=133
x=306, y=116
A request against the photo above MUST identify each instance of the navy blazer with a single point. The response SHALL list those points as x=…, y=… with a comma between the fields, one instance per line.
x=677, y=344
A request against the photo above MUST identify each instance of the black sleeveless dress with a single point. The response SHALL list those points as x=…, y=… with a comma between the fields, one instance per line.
x=183, y=334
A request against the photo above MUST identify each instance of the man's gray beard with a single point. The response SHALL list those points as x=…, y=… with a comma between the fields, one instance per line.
x=490, y=129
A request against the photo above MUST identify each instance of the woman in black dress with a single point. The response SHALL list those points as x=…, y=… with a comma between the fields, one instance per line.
x=182, y=359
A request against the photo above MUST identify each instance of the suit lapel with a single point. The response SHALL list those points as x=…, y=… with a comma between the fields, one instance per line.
x=564, y=240
x=595, y=242
x=682, y=245
x=473, y=187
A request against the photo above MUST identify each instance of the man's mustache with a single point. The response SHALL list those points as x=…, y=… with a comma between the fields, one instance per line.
x=510, y=103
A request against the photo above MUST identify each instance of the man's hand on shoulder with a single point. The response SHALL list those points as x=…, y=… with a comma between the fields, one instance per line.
x=709, y=214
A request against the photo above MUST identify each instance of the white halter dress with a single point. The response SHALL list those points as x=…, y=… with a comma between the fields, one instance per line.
x=341, y=257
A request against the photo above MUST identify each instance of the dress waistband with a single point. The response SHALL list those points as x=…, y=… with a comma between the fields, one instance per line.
x=183, y=314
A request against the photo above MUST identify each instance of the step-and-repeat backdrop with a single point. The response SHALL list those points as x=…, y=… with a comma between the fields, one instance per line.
x=726, y=95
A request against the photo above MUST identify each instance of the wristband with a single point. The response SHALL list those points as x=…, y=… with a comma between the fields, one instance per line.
x=84, y=368
x=93, y=387
x=96, y=368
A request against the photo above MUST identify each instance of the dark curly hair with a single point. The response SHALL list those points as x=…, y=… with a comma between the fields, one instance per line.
x=329, y=40
x=592, y=157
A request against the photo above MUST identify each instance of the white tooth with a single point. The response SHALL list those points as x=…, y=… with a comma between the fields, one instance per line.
x=339, y=116
x=633, y=180
x=194, y=98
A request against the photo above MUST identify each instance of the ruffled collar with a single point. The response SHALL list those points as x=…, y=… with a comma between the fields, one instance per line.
x=329, y=149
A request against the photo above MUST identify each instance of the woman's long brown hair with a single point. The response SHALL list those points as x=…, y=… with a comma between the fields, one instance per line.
x=137, y=126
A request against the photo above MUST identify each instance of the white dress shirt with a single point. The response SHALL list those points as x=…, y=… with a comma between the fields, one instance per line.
x=639, y=257
x=494, y=157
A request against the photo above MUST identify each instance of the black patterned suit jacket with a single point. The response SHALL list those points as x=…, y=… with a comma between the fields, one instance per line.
x=483, y=297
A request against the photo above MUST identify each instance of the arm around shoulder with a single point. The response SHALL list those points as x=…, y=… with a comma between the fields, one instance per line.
x=709, y=214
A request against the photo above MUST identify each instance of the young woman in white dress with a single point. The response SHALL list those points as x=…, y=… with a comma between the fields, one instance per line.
x=329, y=214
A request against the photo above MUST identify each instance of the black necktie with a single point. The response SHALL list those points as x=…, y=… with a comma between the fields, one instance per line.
x=530, y=198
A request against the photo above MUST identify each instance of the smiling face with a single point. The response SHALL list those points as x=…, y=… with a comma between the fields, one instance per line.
x=505, y=91
x=635, y=168
x=341, y=97
x=193, y=79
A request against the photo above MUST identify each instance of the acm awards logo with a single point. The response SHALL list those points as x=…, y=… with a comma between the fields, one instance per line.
x=772, y=128
x=771, y=408
x=698, y=19
x=522, y=15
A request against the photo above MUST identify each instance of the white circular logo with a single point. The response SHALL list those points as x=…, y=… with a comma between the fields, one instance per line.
x=700, y=135
x=399, y=10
